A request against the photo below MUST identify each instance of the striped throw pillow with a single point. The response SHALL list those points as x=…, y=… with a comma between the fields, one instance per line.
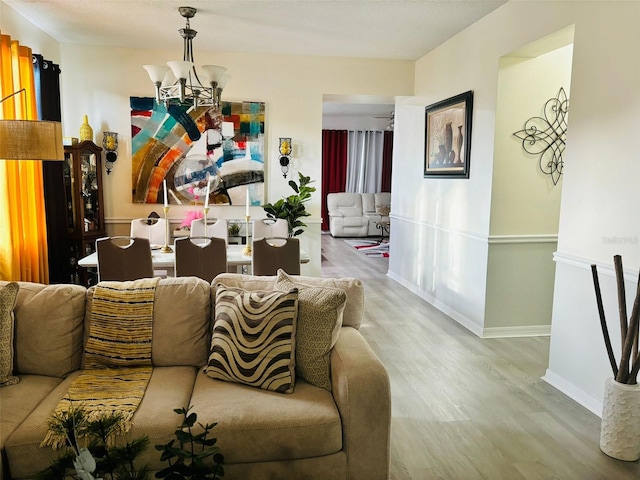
x=253, y=339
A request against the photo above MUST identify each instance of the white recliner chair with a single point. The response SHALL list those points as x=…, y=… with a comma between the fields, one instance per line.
x=346, y=216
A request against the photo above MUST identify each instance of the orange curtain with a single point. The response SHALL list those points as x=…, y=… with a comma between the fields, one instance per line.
x=23, y=229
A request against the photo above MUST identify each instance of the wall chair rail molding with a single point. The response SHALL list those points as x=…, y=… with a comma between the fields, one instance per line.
x=433, y=226
x=511, y=239
x=630, y=275
x=545, y=136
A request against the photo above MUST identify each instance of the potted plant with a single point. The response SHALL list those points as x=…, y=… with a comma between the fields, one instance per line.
x=100, y=457
x=292, y=207
x=620, y=429
x=234, y=229
x=195, y=456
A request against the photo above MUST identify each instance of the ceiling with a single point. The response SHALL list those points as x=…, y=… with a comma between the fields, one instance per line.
x=385, y=29
x=390, y=29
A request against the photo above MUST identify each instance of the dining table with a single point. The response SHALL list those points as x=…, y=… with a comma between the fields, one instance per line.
x=165, y=260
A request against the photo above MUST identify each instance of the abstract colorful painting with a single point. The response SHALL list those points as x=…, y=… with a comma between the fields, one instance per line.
x=190, y=147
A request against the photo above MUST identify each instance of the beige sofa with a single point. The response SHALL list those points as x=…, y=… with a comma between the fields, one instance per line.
x=358, y=214
x=310, y=433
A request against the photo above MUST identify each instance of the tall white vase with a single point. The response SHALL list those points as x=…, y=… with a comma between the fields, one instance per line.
x=620, y=428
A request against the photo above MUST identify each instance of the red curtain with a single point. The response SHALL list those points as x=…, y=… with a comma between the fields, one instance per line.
x=387, y=155
x=334, y=167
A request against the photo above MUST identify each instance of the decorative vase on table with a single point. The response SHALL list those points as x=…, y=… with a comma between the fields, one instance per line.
x=620, y=428
x=86, y=132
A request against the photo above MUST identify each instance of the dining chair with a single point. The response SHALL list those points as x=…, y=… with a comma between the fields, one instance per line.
x=124, y=258
x=218, y=229
x=153, y=229
x=270, y=228
x=203, y=257
x=270, y=254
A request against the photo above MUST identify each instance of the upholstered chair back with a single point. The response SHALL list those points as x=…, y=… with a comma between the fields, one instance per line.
x=218, y=229
x=270, y=254
x=153, y=229
x=269, y=227
x=124, y=258
x=200, y=257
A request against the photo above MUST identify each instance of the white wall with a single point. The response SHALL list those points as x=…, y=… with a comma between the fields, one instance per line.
x=598, y=214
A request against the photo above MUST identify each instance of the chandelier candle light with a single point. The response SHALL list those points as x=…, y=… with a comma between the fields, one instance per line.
x=188, y=89
x=206, y=206
x=247, y=248
x=166, y=248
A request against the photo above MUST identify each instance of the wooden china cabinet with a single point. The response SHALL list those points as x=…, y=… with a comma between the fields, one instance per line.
x=82, y=176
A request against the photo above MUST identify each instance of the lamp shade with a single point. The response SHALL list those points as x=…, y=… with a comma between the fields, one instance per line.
x=224, y=78
x=156, y=72
x=180, y=68
x=213, y=72
x=31, y=140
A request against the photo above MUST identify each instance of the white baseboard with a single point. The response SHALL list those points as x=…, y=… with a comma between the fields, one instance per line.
x=523, y=331
x=493, y=332
x=446, y=309
x=573, y=392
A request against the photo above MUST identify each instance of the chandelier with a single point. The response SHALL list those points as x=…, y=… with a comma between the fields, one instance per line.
x=188, y=89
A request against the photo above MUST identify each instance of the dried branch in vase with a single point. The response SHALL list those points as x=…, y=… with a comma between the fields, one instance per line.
x=627, y=370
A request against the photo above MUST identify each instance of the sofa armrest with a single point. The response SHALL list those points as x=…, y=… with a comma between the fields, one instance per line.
x=335, y=213
x=361, y=390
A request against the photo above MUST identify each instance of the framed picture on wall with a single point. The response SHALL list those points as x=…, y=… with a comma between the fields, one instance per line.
x=448, y=137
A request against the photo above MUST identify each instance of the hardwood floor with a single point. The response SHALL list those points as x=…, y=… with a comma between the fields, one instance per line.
x=463, y=407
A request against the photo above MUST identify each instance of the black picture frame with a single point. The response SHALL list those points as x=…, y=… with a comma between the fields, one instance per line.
x=447, y=137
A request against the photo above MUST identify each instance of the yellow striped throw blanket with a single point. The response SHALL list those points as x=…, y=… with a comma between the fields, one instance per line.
x=117, y=356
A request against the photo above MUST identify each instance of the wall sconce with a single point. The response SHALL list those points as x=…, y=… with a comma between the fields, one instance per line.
x=285, y=155
x=110, y=144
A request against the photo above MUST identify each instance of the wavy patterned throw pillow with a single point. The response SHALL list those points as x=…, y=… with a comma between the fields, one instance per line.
x=8, y=297
x=253, y=339
x=320, y=312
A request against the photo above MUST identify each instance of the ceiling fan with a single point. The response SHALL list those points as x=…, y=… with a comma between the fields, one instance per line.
x=391, y=118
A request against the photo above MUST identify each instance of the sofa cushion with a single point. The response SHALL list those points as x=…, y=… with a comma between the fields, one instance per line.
x=48, y=329
x=253, y=339
x=320, y=312
x=8, y=297
x=19, y=400
x=257, y=425
x=368, y=203
x=353, y=310
x=181, y=319
x=169, y=388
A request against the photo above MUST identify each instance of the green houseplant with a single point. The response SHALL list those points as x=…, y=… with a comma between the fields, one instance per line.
x=196, y=456
x=101, y=458
x=292, y=208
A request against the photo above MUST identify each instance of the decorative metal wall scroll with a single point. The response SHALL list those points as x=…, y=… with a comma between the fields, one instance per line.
x=546, y=136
